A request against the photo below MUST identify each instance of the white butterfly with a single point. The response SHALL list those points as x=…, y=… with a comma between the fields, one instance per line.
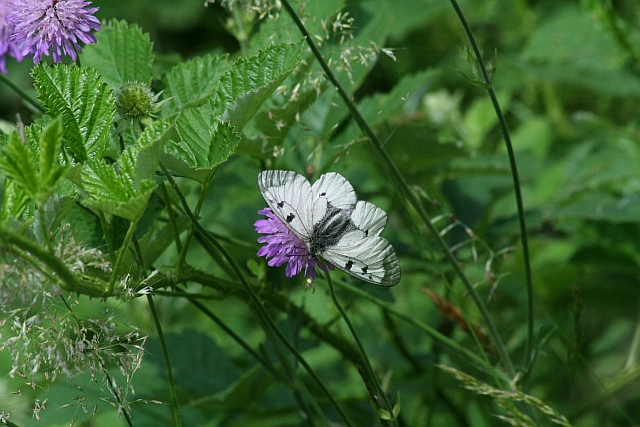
x=326, y=217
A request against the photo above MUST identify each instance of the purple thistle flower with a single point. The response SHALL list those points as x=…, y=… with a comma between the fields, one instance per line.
x=40, y=26
x=281, y=245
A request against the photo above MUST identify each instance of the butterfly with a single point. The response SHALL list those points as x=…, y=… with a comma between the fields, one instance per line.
x=333, y=225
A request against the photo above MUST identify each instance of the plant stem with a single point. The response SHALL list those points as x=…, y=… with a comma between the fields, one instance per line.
x=107, y=236
x=24, y=95
x=264, y=315
x=167, y=363
x=123, y=249
x=402, y=185
x=386, y=404
x=65, y=277
x=516, y=182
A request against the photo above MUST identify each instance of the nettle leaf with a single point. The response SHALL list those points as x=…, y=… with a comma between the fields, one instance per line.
x=250, y=81
x=124, y=188
x=122, y=54
x=192, y=83
x=209, y=146
x=85, y=103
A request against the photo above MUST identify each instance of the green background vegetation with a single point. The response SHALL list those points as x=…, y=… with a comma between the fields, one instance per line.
x=567, y=74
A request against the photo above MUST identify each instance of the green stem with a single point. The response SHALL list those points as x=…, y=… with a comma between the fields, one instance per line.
x=62, y=275
x=172, y=217
x=196, y=213
x=529, y=352
x=254, y=298
x=167, y=363
x=24, y=95
x=115, y=393
x=121, y=253
x=107, y=236
x=402, y=185
x=289, y=382
x=385, y=403
x=452, y=346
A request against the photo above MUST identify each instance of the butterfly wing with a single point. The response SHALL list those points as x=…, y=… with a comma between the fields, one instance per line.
x=289, y=196
x=332, y=189
x=369, y=218
x=371, y=259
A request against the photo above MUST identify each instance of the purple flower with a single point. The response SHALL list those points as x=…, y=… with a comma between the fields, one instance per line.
x=5, y=32
x=40, y=26
x=281, y=245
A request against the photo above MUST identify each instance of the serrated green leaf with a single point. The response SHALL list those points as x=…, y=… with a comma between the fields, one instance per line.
x=250, y=81
x=85, y=103
x=50, y=171
x=122, y=54
x=209, y=146
x=123, y=189
x=192, y=83
x=14, y=201
x=17, y=163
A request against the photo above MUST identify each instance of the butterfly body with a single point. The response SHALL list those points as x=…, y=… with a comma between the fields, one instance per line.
x=329, y=220
x=328, y=231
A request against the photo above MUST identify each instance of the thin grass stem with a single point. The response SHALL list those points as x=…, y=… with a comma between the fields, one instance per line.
x=262, y=312
x=404, y=189
x=383, y=401
x=529, y=352
x=167, y=363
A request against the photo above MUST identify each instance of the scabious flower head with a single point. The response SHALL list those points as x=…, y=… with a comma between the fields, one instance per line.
x=281, y=246
x=5, y=31
x=43, y=26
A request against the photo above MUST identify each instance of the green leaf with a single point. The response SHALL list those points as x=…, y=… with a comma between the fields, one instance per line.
x=602, y=207
x=50, y=171
x=192, y=83
x=251, y=80
x=85, y=103
x=16, y=162
x=209, y=145
x=123, y=189
x=122, y=54
x=14, y=201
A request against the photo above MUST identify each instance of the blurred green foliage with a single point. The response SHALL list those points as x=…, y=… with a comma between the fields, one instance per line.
x=567, y=75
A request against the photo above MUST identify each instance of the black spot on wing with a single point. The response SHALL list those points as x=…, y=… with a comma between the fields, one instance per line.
x=348, y=265
x=281, y=204
x=290, y=217
x=364, y=269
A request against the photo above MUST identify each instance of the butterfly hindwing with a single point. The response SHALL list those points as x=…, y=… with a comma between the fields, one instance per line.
x=369, y=218
x=371, y=259
x=289, y=196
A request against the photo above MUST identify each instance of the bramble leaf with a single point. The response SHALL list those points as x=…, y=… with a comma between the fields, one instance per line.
x=122, y=54
x=192, y=83
x=250, y=81
x=210, y=146
x=123, y=189
x=85, y=103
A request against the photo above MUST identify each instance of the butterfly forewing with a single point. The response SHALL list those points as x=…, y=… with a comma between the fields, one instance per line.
x=371, y=259
x=289, y=196
x=336, y=189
